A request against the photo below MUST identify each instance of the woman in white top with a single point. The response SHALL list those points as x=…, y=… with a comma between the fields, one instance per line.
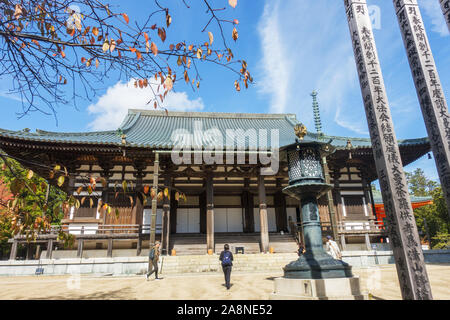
x=333, y=249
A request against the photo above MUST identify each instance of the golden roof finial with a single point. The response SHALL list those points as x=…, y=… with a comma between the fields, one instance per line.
x=300, y=130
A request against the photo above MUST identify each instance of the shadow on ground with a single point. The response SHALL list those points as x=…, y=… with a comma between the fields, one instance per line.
x=122, y=294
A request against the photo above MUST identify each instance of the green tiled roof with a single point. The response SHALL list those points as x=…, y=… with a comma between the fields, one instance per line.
x=154, y=129
x=378, y=199
x=413, y=199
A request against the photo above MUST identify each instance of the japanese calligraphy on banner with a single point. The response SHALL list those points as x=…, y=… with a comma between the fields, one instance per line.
x=401, y=225
x=428, y=87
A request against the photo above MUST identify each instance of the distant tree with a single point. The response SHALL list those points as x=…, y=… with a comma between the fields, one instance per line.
x=50, y=48
x=442, y=240
x=373, y=187
x=431, y=219
x=419, y=184
x=31, y=209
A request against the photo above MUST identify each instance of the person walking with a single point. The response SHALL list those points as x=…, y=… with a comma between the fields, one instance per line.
x=333, y=249
x=153, y=258
x=226, y=257
x=301, y=249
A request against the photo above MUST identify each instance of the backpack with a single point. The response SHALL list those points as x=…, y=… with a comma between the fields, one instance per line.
x=152, y=254
x=226, y=258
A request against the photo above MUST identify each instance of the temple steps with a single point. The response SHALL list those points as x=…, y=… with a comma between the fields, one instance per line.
x=195, y=244
x=210, y=263
x=188, y=244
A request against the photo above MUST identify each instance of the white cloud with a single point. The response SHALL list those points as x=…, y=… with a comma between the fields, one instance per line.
x=112, y=107
x=433, y=10
x=11, y=96
x=275, y=64
x=306, y=46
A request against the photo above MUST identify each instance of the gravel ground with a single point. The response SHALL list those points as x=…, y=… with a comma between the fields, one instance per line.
x=380, y=281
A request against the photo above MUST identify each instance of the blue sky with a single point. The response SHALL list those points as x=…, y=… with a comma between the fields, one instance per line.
x=292, y=47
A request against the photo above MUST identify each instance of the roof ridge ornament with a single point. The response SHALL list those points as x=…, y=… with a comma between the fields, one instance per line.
x=300, y=130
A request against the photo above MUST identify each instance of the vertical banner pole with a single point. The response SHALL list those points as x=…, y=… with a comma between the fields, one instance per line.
x=428, y=87
x=445, y=5
x=401, y=225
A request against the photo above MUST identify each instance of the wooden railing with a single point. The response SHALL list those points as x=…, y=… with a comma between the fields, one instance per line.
x=105, y=229
x=361, y=227
x=124, y=215
x=345, y=227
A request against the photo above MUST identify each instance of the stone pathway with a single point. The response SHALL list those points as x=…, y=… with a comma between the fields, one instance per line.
x=380, y=281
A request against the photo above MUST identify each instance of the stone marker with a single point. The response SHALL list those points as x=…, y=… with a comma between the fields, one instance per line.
x=445, y=5
x=428, y=87
x=401, y=225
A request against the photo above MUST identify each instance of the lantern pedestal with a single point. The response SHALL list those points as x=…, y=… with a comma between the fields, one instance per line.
x=315, y=275
x=315, y=263
x=318, y=289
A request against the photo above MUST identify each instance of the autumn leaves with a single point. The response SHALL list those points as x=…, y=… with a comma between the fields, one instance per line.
x=82, y=42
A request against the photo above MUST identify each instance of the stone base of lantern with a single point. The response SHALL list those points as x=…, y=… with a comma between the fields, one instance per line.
x=317, y=265
x=318, y=289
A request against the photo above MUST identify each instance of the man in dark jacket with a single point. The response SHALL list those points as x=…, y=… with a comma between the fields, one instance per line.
x=226, y=257
x=153, y=258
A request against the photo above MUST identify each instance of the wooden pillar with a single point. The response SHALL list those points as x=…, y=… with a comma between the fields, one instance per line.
x=339, y=217
x=154, y=201
x=445, y=6
x=329, y=196
x=139, y=242
x=80, y=245
x=173, y=213
x=209, y=213
x=428, y=87
x=29, y=251
x=13, y=253
x=251, y=212
x=263, y=215
x=138, y=208
x=49, y=249
x=137, y=213
x=247, y=205
x=105, y=199
x=80, y=248
x=372, y=201
x=280, y=211
x=202, y=204
x=37, y=253
x=343, y=245
x=107, y=166
x=70, y=190
x=110, y=247
x=402, y=229
x=366, y=190
x=165, y=235
x=367, y=238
